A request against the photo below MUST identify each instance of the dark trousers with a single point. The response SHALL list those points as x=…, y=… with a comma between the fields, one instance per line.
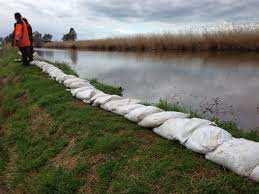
x=27, y=55
x=32, y=50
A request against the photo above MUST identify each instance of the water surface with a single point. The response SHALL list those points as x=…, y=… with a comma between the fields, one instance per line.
x=222, y=85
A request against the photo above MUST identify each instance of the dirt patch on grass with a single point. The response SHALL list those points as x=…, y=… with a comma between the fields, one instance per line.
x=8, y=114
x=78, y=104
x=96, y=159
x=40, y=120
x=23, y=97
x=64, y=159
x=202, y=173
x=3, y=189
x=91, y=180
x=15, y=79
x=3, y=81
x=146, y=136
x=10, y=167
x=92, y=177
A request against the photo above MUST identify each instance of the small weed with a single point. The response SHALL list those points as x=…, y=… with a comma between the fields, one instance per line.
x=106, y=88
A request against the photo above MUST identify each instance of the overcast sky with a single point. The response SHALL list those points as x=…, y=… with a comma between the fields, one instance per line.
x=104, y=18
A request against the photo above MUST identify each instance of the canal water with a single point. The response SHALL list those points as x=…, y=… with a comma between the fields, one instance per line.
x=214, y=84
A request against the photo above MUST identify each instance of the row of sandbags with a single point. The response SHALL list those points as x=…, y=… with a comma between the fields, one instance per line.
x=199, y=135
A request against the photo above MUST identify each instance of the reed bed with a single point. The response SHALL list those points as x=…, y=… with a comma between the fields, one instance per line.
x=245, y=38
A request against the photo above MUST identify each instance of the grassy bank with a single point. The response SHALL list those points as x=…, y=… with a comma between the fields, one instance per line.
x=53, y=143
x=234, y=39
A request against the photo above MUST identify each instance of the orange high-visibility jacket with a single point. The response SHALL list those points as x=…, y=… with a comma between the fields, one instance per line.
x=21, y=35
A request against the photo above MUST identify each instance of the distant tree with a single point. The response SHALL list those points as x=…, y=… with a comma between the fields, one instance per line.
x=37, y=39
x=1, y=39
x=71, y=35
x=65, y=37
x=47, y=38
x=7, y=41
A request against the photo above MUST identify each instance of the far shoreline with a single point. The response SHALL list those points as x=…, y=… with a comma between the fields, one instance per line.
x=240, y=39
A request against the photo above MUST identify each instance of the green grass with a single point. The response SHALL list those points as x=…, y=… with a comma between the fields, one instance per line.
x=106, y=88
x=165, y=105
x=53, y=143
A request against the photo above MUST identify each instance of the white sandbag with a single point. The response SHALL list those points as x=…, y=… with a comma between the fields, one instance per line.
x=60, y=77
x=67, y=77
x=36, y=56
x=169, y=129
x=129, y=101
x=113, y=104
x=98, y=94
x=55, y=73
x=37, y=63
x=86, y=94
x=180, y=129
x=70, y=81
x=78, y=84
x=45, y=63
x=125, y=109
x=140, y=113
x=255, y=174
x=34, y=62
x=52, y=69
x=104, y=99
x=47, y=67
x=156, y=119
x=41, y=64
x=238, y=155
x=207, y=138
x=75, y=91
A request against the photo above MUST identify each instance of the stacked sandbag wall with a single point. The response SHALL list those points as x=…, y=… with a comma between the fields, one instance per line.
x=199, y=135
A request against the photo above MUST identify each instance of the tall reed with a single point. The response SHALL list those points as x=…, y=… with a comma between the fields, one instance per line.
x=238, y=38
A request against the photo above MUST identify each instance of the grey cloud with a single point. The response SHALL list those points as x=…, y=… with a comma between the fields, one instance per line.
x=173, y=10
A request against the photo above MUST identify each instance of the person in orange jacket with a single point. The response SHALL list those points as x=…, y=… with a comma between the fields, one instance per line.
x=21, y=39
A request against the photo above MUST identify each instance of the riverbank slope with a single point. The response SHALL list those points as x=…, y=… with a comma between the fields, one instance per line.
x=51, y=142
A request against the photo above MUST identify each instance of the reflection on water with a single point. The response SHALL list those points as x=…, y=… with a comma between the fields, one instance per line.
x=222, y=85
x=73, y=54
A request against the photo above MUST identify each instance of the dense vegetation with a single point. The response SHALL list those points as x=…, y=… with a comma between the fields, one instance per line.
x=238, y=38
x=53, y=143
